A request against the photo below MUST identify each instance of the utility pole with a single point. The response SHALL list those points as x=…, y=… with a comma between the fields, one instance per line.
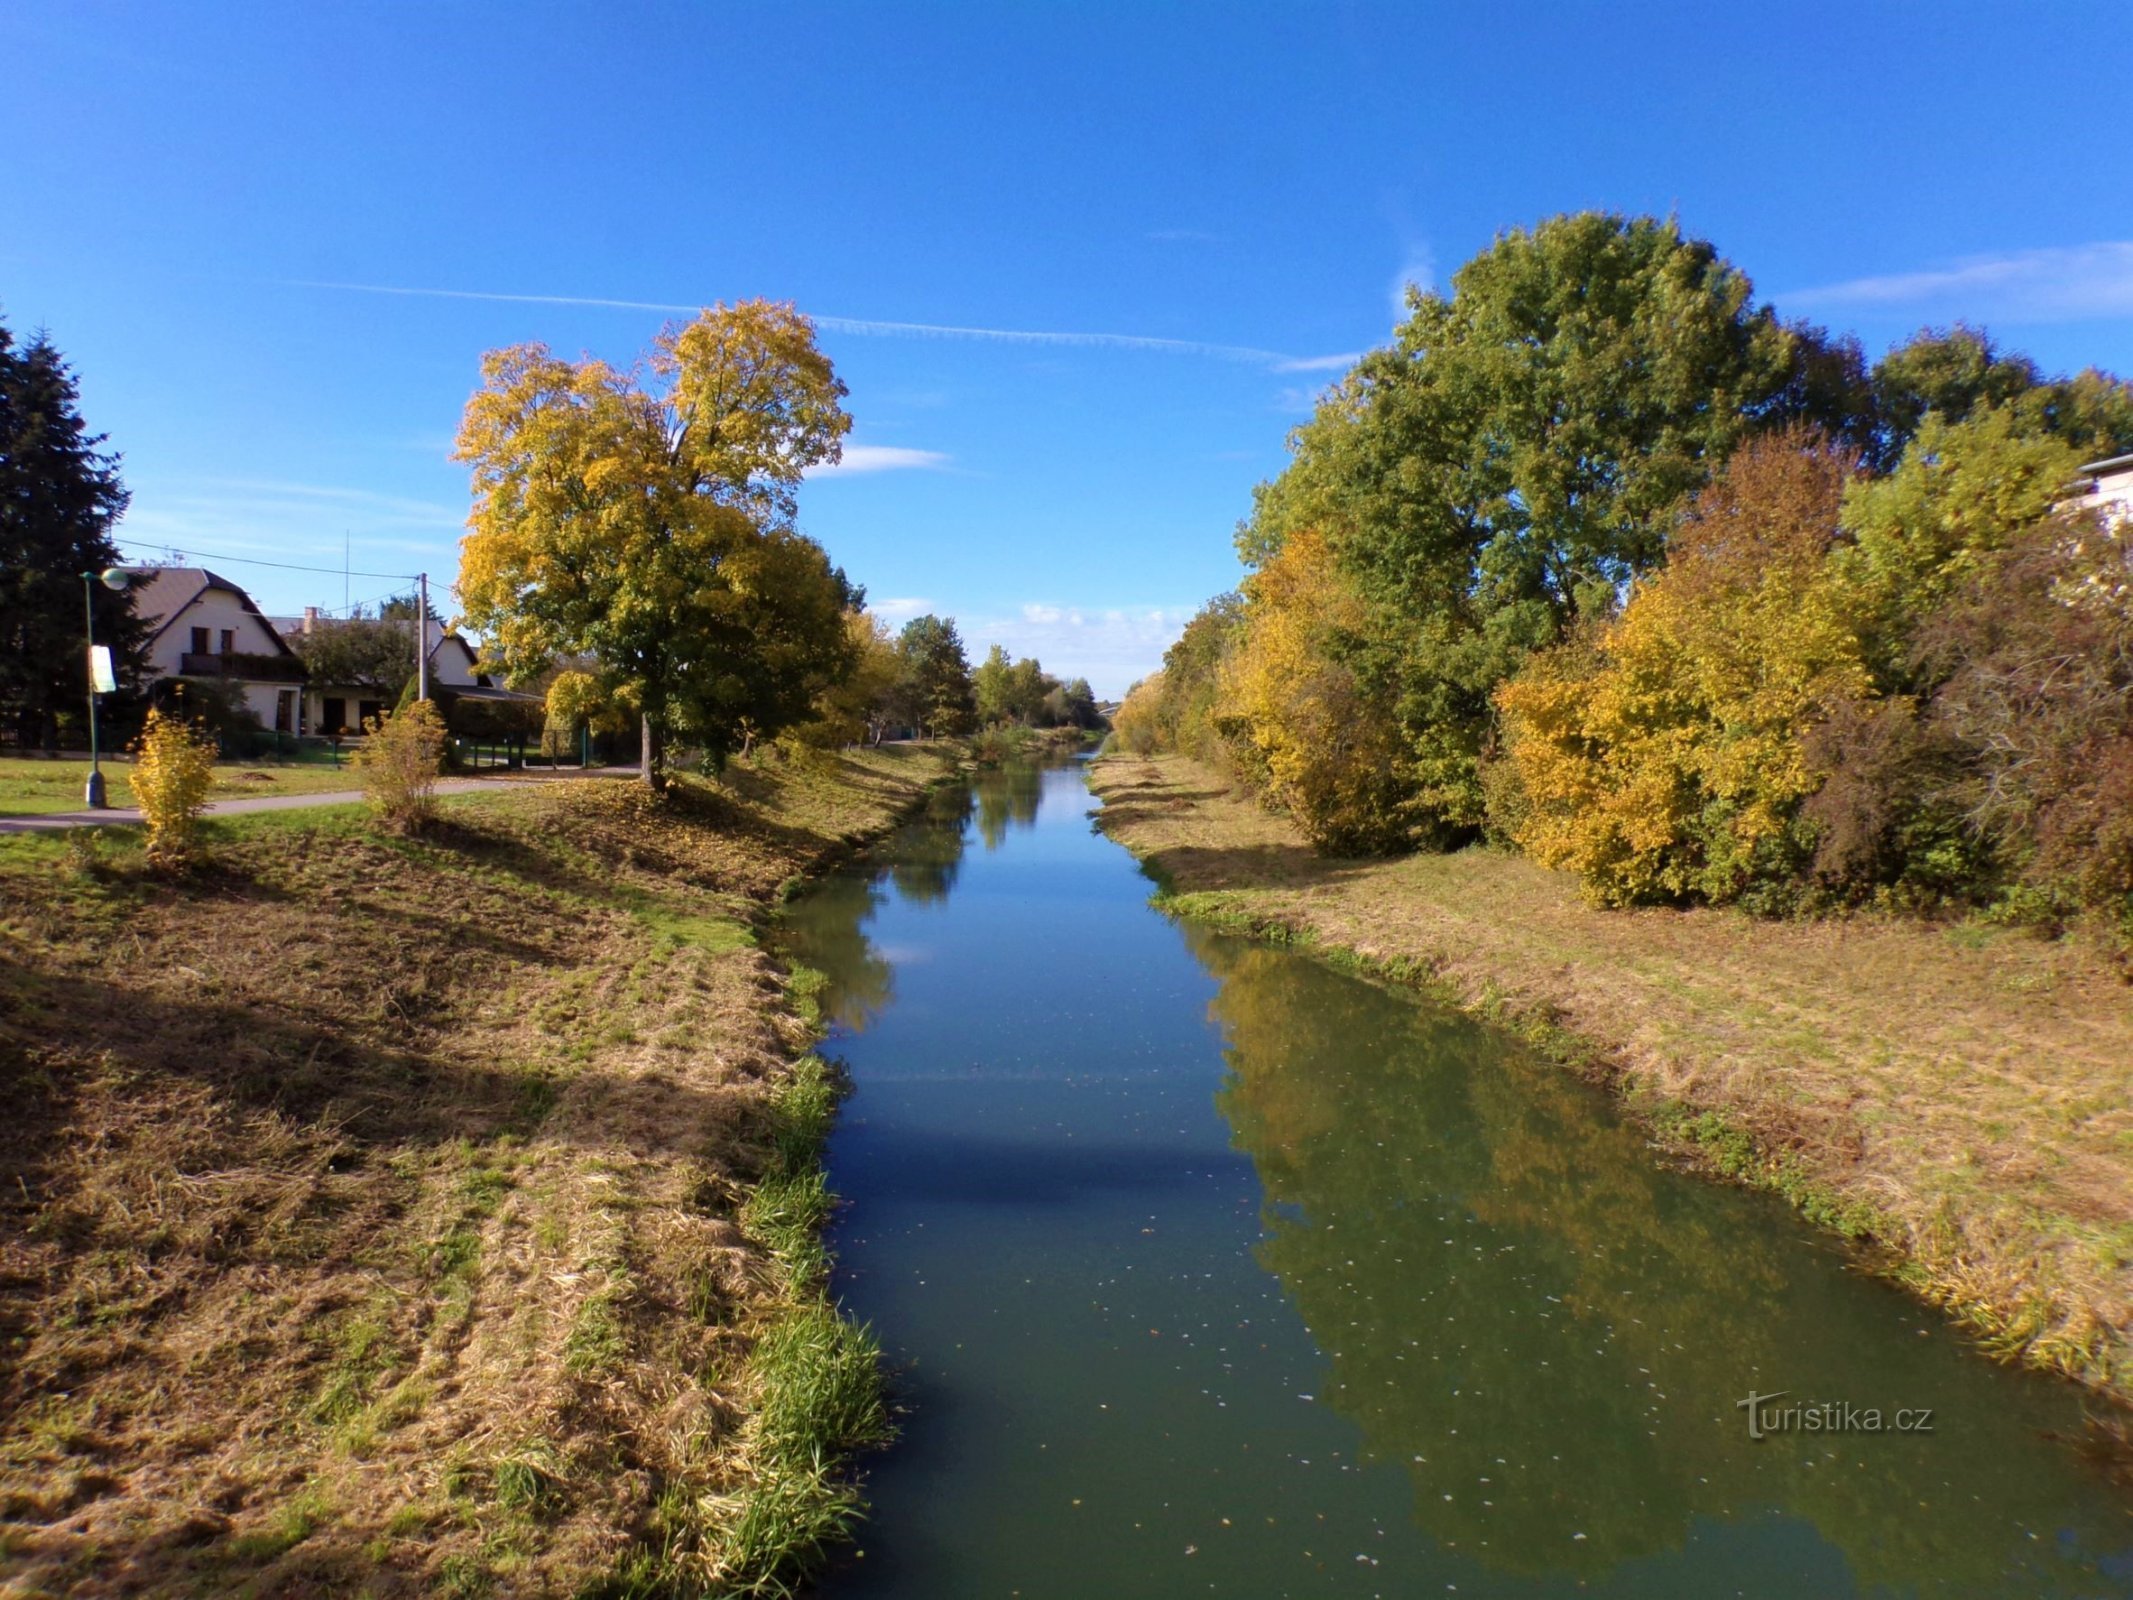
x=422, y=636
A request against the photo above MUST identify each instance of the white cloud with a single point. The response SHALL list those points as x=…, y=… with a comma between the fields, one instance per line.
x=899, y=608
x=1338, y=363
x=860, y=458
x=1419, y=269
x=1110, y=646
x=1249, y=355
x=2060, y=284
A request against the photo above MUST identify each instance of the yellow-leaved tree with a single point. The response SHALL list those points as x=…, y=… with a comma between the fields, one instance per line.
x=854, y=707
x=1326, y=746
x=645, y=519
x=173, y=769
x=1664, y=757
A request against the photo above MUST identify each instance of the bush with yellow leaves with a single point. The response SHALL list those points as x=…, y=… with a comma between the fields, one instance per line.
x=173, y=769
x=1326, y=747
x=399, y=764
x=1664, y=757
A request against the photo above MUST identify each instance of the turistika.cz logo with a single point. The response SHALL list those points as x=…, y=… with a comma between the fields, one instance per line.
x=1766, y=1416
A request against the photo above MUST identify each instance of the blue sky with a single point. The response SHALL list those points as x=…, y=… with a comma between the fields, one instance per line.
x=1235, y=192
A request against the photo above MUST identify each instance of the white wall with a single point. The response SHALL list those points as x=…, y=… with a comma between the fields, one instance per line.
x=215, y=610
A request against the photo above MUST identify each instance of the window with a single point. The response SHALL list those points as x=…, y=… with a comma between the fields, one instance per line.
x=199, y=641
x=229, y=640
x=285, y=711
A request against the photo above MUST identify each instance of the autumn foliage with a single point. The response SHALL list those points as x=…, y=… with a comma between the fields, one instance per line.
x=173, y=768
x=1600, y=562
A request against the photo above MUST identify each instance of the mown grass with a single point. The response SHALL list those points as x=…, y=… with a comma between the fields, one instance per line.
x=33, y=786
x=1953, y=1097
x=376, y=1217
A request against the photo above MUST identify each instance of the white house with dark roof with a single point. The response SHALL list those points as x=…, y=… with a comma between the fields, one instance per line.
x=203, y=626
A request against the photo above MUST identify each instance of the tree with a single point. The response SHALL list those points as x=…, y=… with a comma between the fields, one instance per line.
x=59, y=496
x=1664, y=758
x=1956, y=374
x=857, y=706
x=651, y=527
x=372, y=651
x=1323, y=745
x=1502, y=470
x=991, y=687
x=934, y=692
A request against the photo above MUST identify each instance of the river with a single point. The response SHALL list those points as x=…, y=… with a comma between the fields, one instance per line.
x=1207, y=1269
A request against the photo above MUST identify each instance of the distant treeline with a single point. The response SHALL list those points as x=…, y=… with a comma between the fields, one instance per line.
x=1602, y=561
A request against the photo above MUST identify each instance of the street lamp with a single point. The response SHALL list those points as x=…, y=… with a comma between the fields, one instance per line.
x=100, y=674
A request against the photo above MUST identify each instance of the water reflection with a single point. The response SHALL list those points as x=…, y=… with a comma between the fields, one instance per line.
x=1007, y=796
x=1551, y=1333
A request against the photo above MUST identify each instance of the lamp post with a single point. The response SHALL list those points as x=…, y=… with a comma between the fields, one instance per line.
x=117, y=579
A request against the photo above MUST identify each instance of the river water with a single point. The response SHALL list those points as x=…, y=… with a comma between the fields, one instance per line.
x=1207, y=1269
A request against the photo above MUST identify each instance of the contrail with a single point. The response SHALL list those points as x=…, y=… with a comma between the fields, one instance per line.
x=877, y=328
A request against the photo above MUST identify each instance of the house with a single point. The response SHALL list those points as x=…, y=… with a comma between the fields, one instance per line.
x=454, y=678
x=204, y=628
x=2108, y=486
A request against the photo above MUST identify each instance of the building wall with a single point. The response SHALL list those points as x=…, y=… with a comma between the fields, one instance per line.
x=2114, y=494
x=219, y=612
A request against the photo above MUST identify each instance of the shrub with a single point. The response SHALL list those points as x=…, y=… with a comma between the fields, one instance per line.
x=173, y=767
x=399, y=766
x=1663, y=759
x=1323, y=733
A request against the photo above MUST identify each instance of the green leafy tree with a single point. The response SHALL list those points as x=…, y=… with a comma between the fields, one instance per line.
x=371, y=651
x=60, y=494
x=1502, y=469
x=1954, y=374
x=991, y=684
x=935, y=692
x=650, y=528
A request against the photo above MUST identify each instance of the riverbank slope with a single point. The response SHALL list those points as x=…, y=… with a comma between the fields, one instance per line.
x=423, y=1216
x=1961, y=1097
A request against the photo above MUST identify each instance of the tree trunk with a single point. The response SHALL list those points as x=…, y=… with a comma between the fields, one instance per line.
x=652, y=766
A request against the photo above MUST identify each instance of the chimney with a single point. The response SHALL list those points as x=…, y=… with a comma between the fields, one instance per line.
x=310, y=619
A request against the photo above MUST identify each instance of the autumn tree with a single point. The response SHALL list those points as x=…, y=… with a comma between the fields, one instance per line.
x=1503, y=469
x=1663, y=756
x=60, y=494
x=645, y=518
x=1318, y=733
x=991, y=686
x=858, y=706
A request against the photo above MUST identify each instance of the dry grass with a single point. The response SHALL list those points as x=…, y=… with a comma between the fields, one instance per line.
x=372, y=1206
x=1962, y=1095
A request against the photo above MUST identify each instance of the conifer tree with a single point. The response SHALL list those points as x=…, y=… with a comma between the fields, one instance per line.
x=60, y=494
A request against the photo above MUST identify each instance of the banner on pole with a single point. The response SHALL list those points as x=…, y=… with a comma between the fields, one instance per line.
x=102, y=679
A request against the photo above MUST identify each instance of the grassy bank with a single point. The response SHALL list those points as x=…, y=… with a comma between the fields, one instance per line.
x=1959, y=1098
x=436, y=1216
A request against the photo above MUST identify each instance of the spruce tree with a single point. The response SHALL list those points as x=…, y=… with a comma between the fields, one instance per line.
x=60, y=494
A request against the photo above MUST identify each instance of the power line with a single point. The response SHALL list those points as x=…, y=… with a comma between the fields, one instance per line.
x=254, y=561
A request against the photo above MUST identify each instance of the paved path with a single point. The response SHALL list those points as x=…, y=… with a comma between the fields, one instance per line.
x=120, y=816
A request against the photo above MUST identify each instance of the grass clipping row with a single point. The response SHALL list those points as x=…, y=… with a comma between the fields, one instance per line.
x=412, y=1215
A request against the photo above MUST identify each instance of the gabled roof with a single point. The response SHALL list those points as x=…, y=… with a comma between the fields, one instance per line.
x=162, y=594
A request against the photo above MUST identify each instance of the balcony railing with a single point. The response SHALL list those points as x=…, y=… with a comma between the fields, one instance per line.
x=238, y=664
